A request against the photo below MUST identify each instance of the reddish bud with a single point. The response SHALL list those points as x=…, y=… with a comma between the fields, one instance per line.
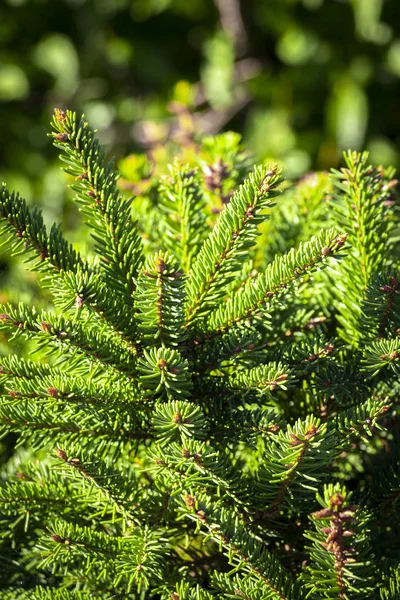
x=61, y=137
x=61, y=454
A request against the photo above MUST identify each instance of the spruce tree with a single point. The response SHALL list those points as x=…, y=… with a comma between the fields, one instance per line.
x=210, y=410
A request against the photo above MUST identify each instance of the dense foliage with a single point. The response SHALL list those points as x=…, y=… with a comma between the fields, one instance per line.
x=212, y=405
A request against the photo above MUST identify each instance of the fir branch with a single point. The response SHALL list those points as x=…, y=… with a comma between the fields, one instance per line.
x=227, y=246
x=381, y=354
x=381, y=307
x=182, y=204
x=42, y=424
x=59, y=332
x=116, y=238
x=338, y=569
x=159, y=302
x=28, y=236
x=255, y=295
x=164, y=373
x=185, y=592
x=54, y=256
x=362, y=211
x=179, y=420
x=261, y=380
x=359, y=420
x=135, y=559
x=242, y=551
x=289, y=471
x=202, y=467
x=109, y=484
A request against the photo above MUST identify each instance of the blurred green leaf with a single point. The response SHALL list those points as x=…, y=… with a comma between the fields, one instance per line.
x=14, y=84
x=217, y=73
x=56, y=55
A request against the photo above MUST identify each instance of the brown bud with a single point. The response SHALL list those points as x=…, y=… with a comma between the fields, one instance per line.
x=202, y=515
x=61, y=137
x=197, y=459
x=177, y=418
x=326, y=251
x=190, y=501
x=61, y=454
x=60, y=115
x=294, y=440
x=336, y=500
x=162, y=364
x=47, y=328
x=324, y=513
x=273, y=428
x=58, y=539
x=186, y=453
x=79, y=302
x=53, y=392
x=311, y=431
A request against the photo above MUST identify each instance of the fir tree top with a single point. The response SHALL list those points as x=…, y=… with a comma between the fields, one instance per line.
x=199, y=421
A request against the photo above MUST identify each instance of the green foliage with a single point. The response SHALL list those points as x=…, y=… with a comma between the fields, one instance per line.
x=194, y=396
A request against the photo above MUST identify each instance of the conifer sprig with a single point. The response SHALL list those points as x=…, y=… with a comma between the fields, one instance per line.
x=184, y=224
x=226, y=248
x=27, y=235
x=108, y=213
x=256, y=294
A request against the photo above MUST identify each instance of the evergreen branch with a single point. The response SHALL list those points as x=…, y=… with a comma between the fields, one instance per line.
x=202, y=467
x=359, y=420
x=52, y=254
x=29, y=495
x=256, y=294
x=65, y=389
x=46, y=593
x=164, y=373
x=294, y=462
x=179, y=420
x=338, y=569
x=14, y=367
x=381, y=307
x=159, y=302
x=185, y=592
x=225, y=165
x=116, y=238
x=247, y=425
x=109, y=484
x=61, y=333
x=42, y=424
x=242, y=551
x=261, y=380
x=362, y=211
x=227, y=246
x=134, y=560
x=245, y=587
x=182, y=203
x=28, y=235
x=381, y=354
x=88, y=288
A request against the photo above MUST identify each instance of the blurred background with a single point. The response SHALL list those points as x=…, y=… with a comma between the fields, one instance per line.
x=300, y=79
